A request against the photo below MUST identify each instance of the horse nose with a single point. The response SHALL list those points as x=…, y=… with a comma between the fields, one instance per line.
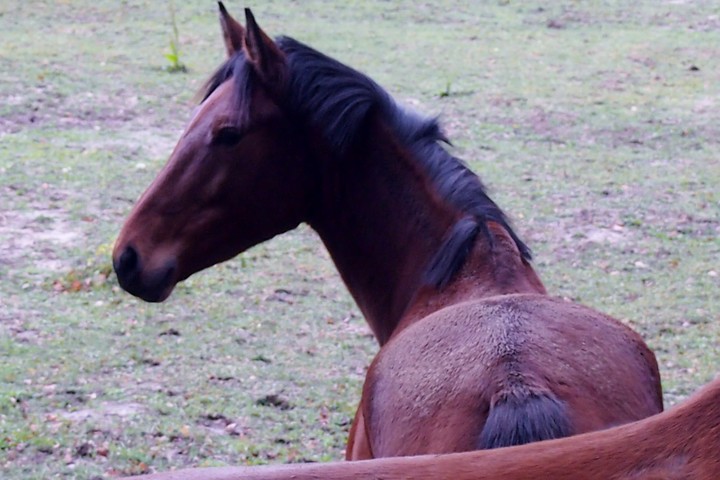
x=127, y=264
x=150, y=284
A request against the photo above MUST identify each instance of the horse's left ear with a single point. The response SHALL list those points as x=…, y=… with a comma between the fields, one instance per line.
x=267, y=59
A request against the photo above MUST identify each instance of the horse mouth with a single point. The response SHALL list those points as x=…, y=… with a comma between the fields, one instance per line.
x=152, y=294
x=153, y=288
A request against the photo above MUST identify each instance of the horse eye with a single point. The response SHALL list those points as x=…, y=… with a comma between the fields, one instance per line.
x=227, y=136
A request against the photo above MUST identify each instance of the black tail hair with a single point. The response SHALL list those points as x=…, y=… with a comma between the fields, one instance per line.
x=519, y=419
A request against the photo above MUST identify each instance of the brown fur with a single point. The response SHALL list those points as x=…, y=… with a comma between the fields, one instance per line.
x=436, y=380
x=680, y=444
x=476, y=343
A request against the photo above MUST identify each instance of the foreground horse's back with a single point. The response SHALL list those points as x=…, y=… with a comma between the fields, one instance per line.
x=505, y=371
x=680, y=444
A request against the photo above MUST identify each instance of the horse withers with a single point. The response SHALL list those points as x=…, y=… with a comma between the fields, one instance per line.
x=474, y=353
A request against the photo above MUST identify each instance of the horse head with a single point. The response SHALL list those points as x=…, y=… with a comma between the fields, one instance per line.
x=239, y=174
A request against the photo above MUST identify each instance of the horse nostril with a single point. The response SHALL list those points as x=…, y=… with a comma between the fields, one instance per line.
x=128, y=264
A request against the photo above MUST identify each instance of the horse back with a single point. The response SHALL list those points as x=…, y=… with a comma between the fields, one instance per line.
x=433, y=386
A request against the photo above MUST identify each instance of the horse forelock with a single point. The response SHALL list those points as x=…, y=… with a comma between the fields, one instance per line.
x=237, y=69
x=337, y=100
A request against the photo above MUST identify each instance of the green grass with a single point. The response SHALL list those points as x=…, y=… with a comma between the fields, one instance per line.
x=586, y=119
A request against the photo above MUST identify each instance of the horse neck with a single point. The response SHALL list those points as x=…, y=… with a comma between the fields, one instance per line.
x=383, y=221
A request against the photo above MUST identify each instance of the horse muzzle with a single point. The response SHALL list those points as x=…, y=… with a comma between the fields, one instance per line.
x=150, y=284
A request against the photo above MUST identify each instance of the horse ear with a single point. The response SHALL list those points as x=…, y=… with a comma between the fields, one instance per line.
x=267, y=59
x=233, y=32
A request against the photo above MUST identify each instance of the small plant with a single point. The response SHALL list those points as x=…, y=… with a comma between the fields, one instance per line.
x=174, y=56
x=451, y=91
x=447, y=92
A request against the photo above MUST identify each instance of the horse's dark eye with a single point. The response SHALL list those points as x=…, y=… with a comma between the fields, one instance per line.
x=227, y=136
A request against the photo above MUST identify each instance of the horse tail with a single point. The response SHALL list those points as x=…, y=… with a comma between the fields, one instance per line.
x=529, y=417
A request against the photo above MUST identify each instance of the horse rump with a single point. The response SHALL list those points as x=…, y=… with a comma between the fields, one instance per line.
x=529, y=417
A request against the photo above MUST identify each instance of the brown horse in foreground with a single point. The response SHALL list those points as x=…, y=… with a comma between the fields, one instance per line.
x=474, y=353
x=680, y=444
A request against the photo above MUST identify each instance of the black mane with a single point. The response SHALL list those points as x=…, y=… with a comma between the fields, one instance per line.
x=337, y=99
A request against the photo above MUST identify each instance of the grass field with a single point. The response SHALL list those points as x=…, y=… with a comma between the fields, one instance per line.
x=596, y=125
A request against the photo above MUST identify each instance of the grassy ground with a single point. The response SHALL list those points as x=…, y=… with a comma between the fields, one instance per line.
x=595, y=124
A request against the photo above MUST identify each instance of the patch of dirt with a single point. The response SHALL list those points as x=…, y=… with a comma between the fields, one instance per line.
x=580, y=235
x=617, y=137
x=32, y=235
x=709, y=24
x=101, y=413
x=152, y=146
x=558, y=18
x=221, y=425
x=43, y=106
x=13, y=323
x=701, y=225
x=582, y=230
x=550, y=124
x=558, y=127
x=617, y=80
x=681, y=16
x=614, y=236
x=274, y=400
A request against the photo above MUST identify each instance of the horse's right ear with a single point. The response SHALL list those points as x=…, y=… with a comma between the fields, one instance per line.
x=233, y=32
x=266, y=58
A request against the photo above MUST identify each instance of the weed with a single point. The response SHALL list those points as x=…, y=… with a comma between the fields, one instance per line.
x=446, y=93
x=174, y=56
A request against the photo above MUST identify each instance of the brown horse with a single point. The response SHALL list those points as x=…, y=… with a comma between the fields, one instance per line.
x=680, y=444
x=474, y=353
